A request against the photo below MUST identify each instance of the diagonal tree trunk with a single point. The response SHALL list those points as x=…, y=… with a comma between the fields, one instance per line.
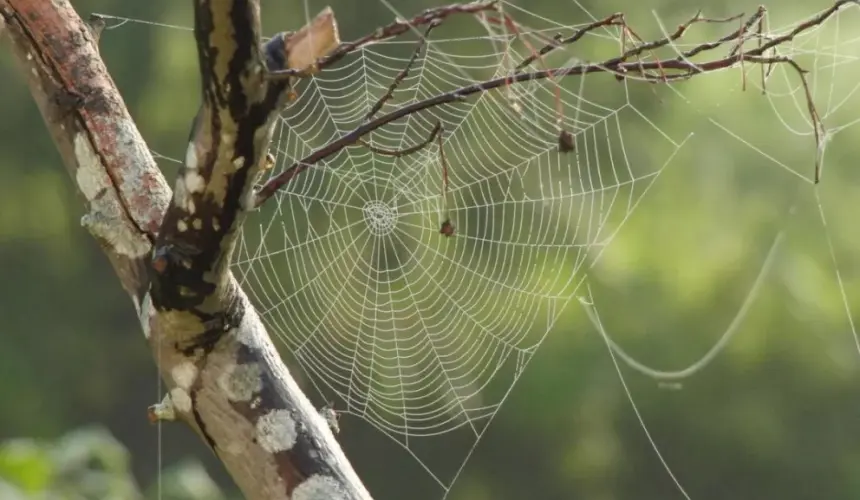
x=171, y=251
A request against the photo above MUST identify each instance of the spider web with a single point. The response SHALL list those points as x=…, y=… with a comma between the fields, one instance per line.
x=829, y=55
x=422, y=336
x=415, y=333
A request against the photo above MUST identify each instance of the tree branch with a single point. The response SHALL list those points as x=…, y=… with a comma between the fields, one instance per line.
x=616, y=66
x=680, y=67
x=124, y=191
x=225, y=377
x=397, y=28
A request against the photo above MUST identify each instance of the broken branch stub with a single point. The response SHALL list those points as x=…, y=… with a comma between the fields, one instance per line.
x=313, y=41
x=227, y=149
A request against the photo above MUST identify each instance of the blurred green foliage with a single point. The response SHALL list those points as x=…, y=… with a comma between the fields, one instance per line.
x=90, y=464
x=774, y=416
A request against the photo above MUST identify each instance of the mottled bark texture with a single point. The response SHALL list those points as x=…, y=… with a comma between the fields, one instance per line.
x=172, y=251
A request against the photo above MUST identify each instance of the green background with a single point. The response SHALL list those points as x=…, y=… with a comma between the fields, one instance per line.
x=775, y=415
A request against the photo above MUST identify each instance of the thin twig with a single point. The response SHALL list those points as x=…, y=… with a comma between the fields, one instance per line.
x=398, y=27
x=804, y=26
x=740, y=49
x=679, y=32
x=643, y=47
x=447, y=227
x=759, y=14
x=559, y=109
x=744, y=29
x=810, y=102
x=678, y=68
x=397, y=153
x=763, y=68
x=614, y=19
x=403, y=73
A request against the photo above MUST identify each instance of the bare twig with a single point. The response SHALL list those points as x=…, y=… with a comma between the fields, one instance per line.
x=764, y=70
x=804, y=26
x=740, y=49
x=614, y=66
x=614, y=19
x=511, y=25
x=403, y=73
x=810, y=103
x=744, y=29
x=758, y=15
x=678, y=68
x=447, y=227
x=389, y=93
x=676, y=35
x=398, y=27
x=397, y=153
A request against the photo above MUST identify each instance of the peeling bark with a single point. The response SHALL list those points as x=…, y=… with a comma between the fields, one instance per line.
x=171, y=251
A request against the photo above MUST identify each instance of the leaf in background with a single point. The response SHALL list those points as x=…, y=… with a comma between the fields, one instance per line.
x=25, y=465
x=187, y=480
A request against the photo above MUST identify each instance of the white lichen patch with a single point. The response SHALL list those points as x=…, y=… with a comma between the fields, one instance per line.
x=184, y=374
x=106, y=219
x=194, y=182
x=276, y=431
x=180, y=194
x=248, y=201
x=145, y=314
x=197, y=224
x=250, y=331
x=181, y=399
x=191, y=156
x=319, y=487
x=132, y=161
x=241, y=382
x=182, y=226
x=91, y=177
x=239, y=163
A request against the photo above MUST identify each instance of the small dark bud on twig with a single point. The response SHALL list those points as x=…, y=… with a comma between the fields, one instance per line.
x=566, y=144
x=447, y=228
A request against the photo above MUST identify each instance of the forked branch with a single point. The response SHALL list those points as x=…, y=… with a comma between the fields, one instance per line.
x=389, y=93
x=669, y=69
x=223, y=374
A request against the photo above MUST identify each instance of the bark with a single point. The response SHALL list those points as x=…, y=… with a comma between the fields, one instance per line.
x=171, y=250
